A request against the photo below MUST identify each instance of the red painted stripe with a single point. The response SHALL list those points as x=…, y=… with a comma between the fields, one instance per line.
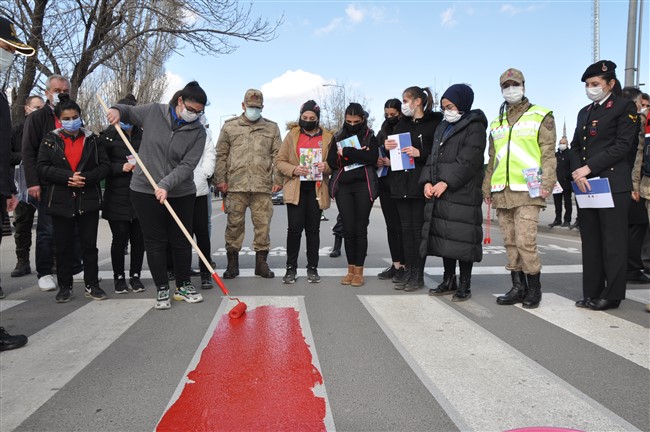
x=255, y=374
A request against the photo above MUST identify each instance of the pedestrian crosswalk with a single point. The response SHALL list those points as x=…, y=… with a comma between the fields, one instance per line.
x=480, y=378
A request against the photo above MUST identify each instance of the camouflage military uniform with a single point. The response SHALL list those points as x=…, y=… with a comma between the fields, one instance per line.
x=245, y=162
x=518, y=213
x=640, y=182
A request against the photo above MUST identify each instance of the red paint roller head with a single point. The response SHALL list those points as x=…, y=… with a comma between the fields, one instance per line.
x=238, y=310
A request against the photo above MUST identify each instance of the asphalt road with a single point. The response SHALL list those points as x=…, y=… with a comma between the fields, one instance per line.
x=388, y=360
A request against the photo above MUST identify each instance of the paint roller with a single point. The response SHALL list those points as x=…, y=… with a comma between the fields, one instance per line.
x=240, y=308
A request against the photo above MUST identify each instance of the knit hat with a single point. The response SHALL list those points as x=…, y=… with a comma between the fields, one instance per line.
x=460, y=95
x=312, y=106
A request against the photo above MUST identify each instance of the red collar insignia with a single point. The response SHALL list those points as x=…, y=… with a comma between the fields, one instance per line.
x=609, y=104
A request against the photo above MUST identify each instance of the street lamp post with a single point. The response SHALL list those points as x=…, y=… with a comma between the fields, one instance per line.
x=225, y=115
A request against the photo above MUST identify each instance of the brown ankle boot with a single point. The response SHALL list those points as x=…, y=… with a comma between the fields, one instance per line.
x=347, y=279
x=232, y=270
x=261, y=267
x=357, y=280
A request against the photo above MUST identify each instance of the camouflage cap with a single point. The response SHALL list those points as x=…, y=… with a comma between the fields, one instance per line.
x=512, y=74
x=254, y=98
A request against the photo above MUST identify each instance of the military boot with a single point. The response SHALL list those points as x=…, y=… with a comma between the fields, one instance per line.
x=517, y=292
x=534, y=295
x=336, y=250
x=261, y=267
x=22, y=267
x=232, y=270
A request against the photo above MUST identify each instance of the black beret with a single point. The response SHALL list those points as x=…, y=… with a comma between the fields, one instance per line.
x=601, y=67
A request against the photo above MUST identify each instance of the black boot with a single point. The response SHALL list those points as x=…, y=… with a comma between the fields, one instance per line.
x=408, y=273
x=416, y=281
x=232, y=270
x=464, y=292
x=22, y=267
x=517, y=292
x=534, y=294
x=336, y=250
x=447, y=286
x=261, y=267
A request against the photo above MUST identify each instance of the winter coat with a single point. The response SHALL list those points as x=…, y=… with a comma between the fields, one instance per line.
x=117, y=198
x=452, y=223
x=246, y=154
x=366, y=156
x=563, y=170
x=7, y=186
x=288, y=160
x=205, y=169
x=37, y=124
x=169, y=153
x=54, y=169
x=404, y=184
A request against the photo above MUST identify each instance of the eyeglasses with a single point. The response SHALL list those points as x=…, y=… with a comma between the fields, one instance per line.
x=192, y=110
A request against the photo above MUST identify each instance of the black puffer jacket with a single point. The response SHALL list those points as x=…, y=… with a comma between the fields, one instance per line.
x=404, y=184
x=452, y=223
x=117, y=201
x=54, y=169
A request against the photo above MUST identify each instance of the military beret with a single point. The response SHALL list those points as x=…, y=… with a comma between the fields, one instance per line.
x=601, y=67
x=512, y=74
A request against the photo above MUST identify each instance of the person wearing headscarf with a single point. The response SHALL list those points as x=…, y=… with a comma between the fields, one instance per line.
x=452, y=180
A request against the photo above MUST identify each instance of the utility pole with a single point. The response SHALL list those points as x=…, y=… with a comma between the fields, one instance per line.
x=630, y=68
x=596, y=35
x=638, y=48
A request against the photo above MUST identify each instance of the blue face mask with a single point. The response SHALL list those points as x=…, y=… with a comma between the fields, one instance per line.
x=71, y=125
x=126, y=126
x=253, y=114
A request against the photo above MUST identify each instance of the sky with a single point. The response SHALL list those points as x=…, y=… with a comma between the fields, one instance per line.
x=380, y=48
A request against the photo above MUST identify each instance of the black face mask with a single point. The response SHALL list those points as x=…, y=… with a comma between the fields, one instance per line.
x=354, y=129
x=392, y=120
x=308, y=126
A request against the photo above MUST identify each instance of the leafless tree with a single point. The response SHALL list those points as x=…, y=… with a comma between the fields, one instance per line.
x=334, y=100
x=77, y=37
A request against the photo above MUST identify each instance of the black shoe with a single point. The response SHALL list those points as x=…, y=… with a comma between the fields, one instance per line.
x=64, y=294
x=463, y=292
x=575, y=226
x=638, y=277
x=206, y=281
x=336, y=250
x=603, y=304
x=95, y=292
x=9, y=342
x=517, y=292
x=566, y=224
x=120, y=285
x=22, y=269
x=583, y=303
x=136, y=284
x=289, y=276
x=195, y=272
x=312, y=275
x=555, y=223
x=388, y=273
x=399, y=277
x=447, y=286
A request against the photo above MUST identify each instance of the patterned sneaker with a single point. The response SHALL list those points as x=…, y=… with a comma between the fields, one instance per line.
x=312, y=275
x=64, y=294
x=120, y=285
x=388, y=273
x=136, y=284
x=95, y=292
x=162, y=299
x=187, y=293
x=290, y=276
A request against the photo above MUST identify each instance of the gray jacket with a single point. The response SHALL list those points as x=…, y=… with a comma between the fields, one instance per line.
x=170, y=155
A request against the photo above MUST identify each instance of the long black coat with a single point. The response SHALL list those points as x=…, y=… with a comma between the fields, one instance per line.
x=117, y=201
x=54, y=169
x=453, y=222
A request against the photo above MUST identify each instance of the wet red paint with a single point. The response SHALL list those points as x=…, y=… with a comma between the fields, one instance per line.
x=255, y=374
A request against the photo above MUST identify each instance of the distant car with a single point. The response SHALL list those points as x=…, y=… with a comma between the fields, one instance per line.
x=278, y=198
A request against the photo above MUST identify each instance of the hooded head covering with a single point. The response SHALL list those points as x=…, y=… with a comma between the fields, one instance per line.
x=460, y=95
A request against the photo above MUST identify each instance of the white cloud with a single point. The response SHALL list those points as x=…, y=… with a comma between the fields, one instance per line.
x=447, y=18
x=174, y=83
x=354, y=13
x=329, y=27
x=293, y=87
x=511, y=10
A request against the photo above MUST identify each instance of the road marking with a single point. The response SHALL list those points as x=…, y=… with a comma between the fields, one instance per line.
x=624, y=338
x=6, y=304
x=53, y=356
x=481, y=381
x=638, y=295
x=252, y=372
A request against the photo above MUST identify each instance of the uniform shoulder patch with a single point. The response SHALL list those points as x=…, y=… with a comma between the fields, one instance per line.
x=633, y=117
x=549, y=122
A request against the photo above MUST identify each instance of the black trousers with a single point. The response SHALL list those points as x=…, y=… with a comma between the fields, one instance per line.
x=465, y=267
x=159, y=228
x=23, y=222
x=393, y=225
x=636, y=236
x=201, y=228
x=63, y=230
x=604, y=249
x=568, y=205
x=123, y=231
x=411, y=215
x=354, y=203
x=304, y=216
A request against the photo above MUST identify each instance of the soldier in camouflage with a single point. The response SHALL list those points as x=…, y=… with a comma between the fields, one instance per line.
x=523, y=136
x=245, y=171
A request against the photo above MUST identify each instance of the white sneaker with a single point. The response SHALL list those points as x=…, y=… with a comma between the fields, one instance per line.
x=47, y=283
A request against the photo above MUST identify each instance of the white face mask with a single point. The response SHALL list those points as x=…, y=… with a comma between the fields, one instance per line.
x=644, y=111
x=253, y=113
x=562, y=147
x=595, y=94
x=55, y=99
x=407, y=110
x=189, y=116
x=6, y=59
x=513, y=94
x=452, y=116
